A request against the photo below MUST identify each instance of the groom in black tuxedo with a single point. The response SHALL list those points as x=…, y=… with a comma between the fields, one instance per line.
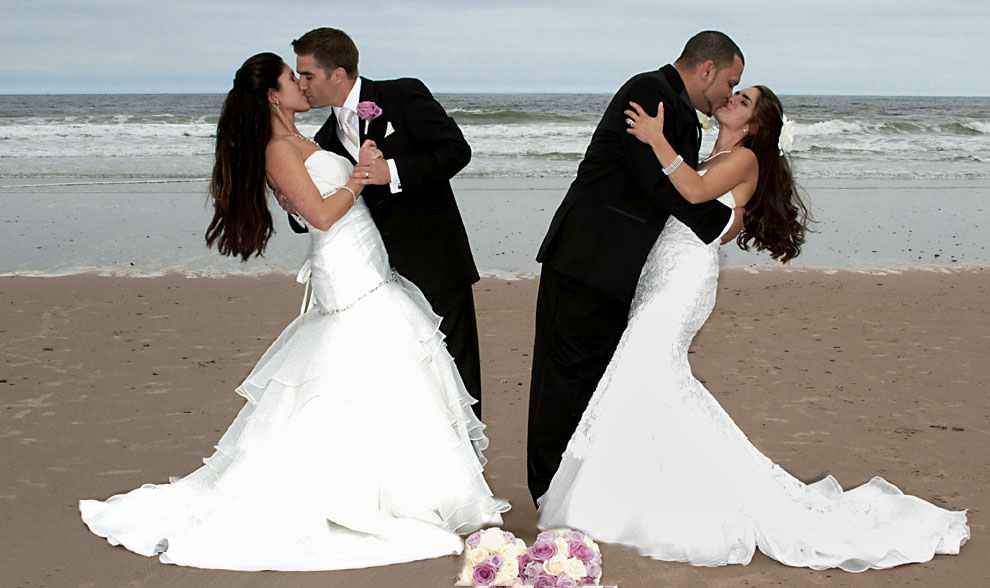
x=408, y=190
x=603, y=231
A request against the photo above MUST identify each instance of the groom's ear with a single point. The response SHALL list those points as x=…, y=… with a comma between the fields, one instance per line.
x=707, y=69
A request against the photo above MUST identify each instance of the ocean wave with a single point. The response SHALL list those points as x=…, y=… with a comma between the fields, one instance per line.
x=829, y=127
x=981, y=126
x=500, y=117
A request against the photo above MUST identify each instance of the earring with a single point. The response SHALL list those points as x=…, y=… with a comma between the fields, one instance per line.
x=277, y=106
x=745, y=130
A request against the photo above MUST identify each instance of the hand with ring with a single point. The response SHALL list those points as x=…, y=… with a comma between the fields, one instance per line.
x=371, y=169
x=282, y=199
x=647, y=129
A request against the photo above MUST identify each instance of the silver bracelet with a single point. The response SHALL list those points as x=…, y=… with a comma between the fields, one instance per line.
x=353, y=195
x=673, y=165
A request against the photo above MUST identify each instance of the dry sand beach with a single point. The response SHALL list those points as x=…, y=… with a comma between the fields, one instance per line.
x=110, y=382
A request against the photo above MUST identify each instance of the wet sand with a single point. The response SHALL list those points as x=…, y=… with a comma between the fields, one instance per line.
x=69, y=225
x=110, y=382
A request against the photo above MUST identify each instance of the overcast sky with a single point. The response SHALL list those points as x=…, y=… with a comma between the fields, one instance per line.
x=884, y=47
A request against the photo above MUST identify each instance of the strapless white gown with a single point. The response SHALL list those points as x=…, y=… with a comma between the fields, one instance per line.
x=658, y=465
x=357, y=445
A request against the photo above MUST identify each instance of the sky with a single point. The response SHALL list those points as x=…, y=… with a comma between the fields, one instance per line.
x=839, y=47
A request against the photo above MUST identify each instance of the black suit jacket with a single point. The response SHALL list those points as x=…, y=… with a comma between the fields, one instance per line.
x=421, y=225
x=616, y=207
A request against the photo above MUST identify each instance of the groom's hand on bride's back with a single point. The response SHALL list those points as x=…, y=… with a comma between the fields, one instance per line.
x=736, y=227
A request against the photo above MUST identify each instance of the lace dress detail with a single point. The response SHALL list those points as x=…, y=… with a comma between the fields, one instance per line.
x=657, y=464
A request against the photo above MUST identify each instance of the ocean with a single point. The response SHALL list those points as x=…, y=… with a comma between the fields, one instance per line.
x=116, y=183
x=170, y=136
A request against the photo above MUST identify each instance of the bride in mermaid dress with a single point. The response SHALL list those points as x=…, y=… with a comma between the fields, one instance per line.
x=357, y=445
x=657, y=464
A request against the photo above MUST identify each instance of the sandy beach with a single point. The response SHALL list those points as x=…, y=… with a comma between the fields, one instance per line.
x=110, y=382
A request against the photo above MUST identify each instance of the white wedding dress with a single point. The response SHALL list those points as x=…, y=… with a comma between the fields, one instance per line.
x=357, y=445
x=657, y=464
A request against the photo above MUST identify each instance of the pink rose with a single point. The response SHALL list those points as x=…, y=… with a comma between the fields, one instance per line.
x=496, y=560
x=509, y=537
x=473, y=539
x=483, y=574
x=523, y=560
x=544, y=581
x=594, y=570
x=587, y=581
x=565, y=580
x=546, y=536
x=368, y=110
x=531, y=571
x=542, y=550
x=581, y=551
x=573, y=535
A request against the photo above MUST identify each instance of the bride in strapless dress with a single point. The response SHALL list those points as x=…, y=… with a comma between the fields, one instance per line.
x=357, y=445
x=657, y=464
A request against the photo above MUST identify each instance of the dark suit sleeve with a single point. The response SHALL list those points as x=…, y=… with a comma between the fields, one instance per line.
x=440, y=148
x=706, y=219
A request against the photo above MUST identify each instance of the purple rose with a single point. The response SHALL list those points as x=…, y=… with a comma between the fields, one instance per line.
x=544, y=581
x=496, y=560
x=542, y=550
x=580, y=550
x=573, y=535
x=565, y=580
x=483, y=574
x=473, y=539
x=523, y=560
x=597, y=559
x=587, y=581
x=548, y=536
x=594, y=570
x=368, y=110
x=532, y=570
x=509, y=537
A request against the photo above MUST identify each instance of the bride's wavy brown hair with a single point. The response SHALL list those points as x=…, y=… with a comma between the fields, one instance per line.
x=242, y=223
x=776, y=218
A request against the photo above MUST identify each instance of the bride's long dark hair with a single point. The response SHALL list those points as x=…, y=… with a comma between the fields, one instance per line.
x=242, y=223
x=776, y=218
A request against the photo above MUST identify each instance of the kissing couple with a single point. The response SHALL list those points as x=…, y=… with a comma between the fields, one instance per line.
x=357, y=445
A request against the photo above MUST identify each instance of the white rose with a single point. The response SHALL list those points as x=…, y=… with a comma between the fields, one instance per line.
x=590, y=543
x=561, y=546
x=520, y=547
x=555, y=565
x=509, y=551
x=478, y=555
x=509, y=570
x=492, y=539
x=575, y=568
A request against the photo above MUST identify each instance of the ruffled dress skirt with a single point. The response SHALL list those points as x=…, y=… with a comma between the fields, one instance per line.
x=357, y=447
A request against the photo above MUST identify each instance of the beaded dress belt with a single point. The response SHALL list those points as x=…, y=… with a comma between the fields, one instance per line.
x=304, y=278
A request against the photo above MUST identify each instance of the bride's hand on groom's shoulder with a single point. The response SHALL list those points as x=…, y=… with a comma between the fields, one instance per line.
x=644, y=127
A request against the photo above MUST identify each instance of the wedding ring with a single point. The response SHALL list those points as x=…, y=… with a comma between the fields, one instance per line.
x=367, y=175
x=629, y=121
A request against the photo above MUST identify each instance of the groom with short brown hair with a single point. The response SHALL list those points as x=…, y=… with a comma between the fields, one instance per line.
x=407, y=190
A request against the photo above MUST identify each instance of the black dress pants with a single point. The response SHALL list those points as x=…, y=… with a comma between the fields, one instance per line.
x=460, y=328
x=577, y=330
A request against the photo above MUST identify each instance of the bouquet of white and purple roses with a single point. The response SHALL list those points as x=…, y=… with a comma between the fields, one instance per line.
x=492, y=558
x=563, y=557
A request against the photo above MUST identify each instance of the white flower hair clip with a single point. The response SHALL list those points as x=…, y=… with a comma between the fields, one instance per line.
x=786, y=141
